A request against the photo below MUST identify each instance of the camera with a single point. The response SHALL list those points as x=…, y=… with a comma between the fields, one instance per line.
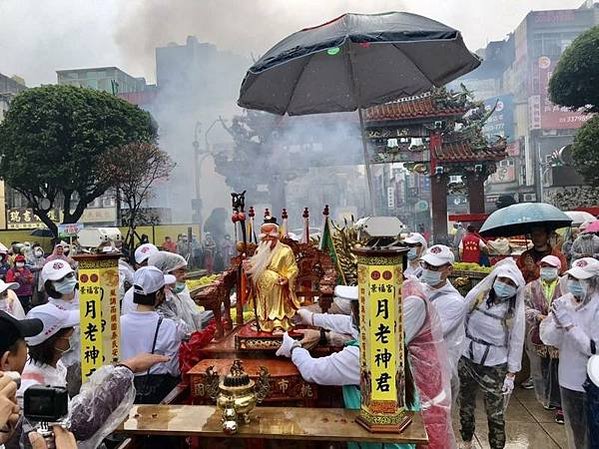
x=45, y=403
x=46, y=406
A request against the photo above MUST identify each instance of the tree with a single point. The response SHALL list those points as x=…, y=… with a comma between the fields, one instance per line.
x=575, y=84
x=53, y=142
x=134, y=168
x=585, y=151
x=575, y=80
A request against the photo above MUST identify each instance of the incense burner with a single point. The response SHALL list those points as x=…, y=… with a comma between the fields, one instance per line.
x=236, y=394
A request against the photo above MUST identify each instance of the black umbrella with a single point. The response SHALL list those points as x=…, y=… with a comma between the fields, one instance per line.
x=353, y=62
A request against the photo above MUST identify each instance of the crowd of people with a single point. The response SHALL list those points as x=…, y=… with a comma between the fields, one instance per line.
x=537, y=305
x=543, y=304
x=210, y=254
x=40, y=339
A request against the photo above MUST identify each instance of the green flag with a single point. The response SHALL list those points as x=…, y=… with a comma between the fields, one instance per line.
x=328, y=246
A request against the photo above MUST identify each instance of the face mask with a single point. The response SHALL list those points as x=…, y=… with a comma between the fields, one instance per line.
x=430, y=277
x=577, y=288
x=71, y=355
x=65, y=286
x=179, y=287
x=38, y=253
x=549, y=273
x=412, y=254
x=503, y=290
x=20, y=264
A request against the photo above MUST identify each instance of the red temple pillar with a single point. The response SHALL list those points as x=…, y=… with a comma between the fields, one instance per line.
x=439, y=206
x=476, y=193
x=438, y=189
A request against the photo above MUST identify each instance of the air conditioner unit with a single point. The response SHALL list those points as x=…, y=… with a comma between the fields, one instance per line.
x=529, y=197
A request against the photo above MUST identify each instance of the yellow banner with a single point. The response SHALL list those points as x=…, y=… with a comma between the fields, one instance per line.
x=91, y=293
x=100, y=315
x=382, y=335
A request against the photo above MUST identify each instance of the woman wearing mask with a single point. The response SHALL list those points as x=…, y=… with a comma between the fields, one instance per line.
x=417, y=246
x=572, y=328
x=46, y=349
x=104, y=401
x=178, y=304
x=60, y=285
x=60, y=282
x=35, y=262
x=22, y=276
x=539, y=295
x=495, y=327
x=61, y=252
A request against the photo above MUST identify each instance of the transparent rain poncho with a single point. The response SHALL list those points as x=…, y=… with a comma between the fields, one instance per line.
x=102, y=404
x=178, y=306
x=429, y=364
x=494, y=332
x=544, y=359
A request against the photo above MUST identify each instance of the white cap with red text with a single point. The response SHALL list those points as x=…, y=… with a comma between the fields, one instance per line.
x=143, y=252
x=438, y=255
x=55, y=270
x=584, y=268
x=53, y=319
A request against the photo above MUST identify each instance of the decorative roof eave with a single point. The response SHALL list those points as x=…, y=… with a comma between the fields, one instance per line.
x=437, y=104
x=462, y=152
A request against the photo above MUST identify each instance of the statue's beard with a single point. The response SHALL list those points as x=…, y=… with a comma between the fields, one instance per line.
x=261, y=259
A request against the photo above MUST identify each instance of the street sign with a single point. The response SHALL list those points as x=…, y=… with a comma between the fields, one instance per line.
x=70, y=229
x=421, y=206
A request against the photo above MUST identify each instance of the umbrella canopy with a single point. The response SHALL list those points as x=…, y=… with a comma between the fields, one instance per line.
x=355, y=61
x=42, y=232
x=519, y=219
x=579, y=217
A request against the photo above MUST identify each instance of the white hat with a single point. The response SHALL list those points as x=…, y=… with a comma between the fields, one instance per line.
x=169, y=279
x=552, y=261
x=584, y=268
x=148, y=280
x=6, y=286
x=53, y=319
x=143, y=252
x=416, y=239
x=438, y=255
x=55, y=270
x=593, y=369
x=346, y=292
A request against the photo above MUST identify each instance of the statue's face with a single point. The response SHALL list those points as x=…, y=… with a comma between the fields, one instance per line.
x=273, y=240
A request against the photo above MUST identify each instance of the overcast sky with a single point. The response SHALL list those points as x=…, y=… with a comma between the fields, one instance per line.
x=38, y=37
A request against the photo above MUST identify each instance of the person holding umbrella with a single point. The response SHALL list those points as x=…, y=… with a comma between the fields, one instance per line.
x=572, y=327
x=529, y=260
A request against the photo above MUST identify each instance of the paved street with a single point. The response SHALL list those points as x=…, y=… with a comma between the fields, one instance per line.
x=528, y=424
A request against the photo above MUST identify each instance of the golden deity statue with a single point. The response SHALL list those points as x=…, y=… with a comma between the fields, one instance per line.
x=272, y=273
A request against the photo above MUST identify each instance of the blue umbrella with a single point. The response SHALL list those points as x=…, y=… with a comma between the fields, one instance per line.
x=519, y=219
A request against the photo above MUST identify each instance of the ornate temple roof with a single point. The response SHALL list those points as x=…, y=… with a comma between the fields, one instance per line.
x=433, y=105
x=462, y=151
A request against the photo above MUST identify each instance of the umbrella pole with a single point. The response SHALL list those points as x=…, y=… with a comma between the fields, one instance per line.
x=356, y=86
x=367, y=164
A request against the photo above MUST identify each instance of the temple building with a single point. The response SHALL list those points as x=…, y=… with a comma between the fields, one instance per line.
x=439, y=135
